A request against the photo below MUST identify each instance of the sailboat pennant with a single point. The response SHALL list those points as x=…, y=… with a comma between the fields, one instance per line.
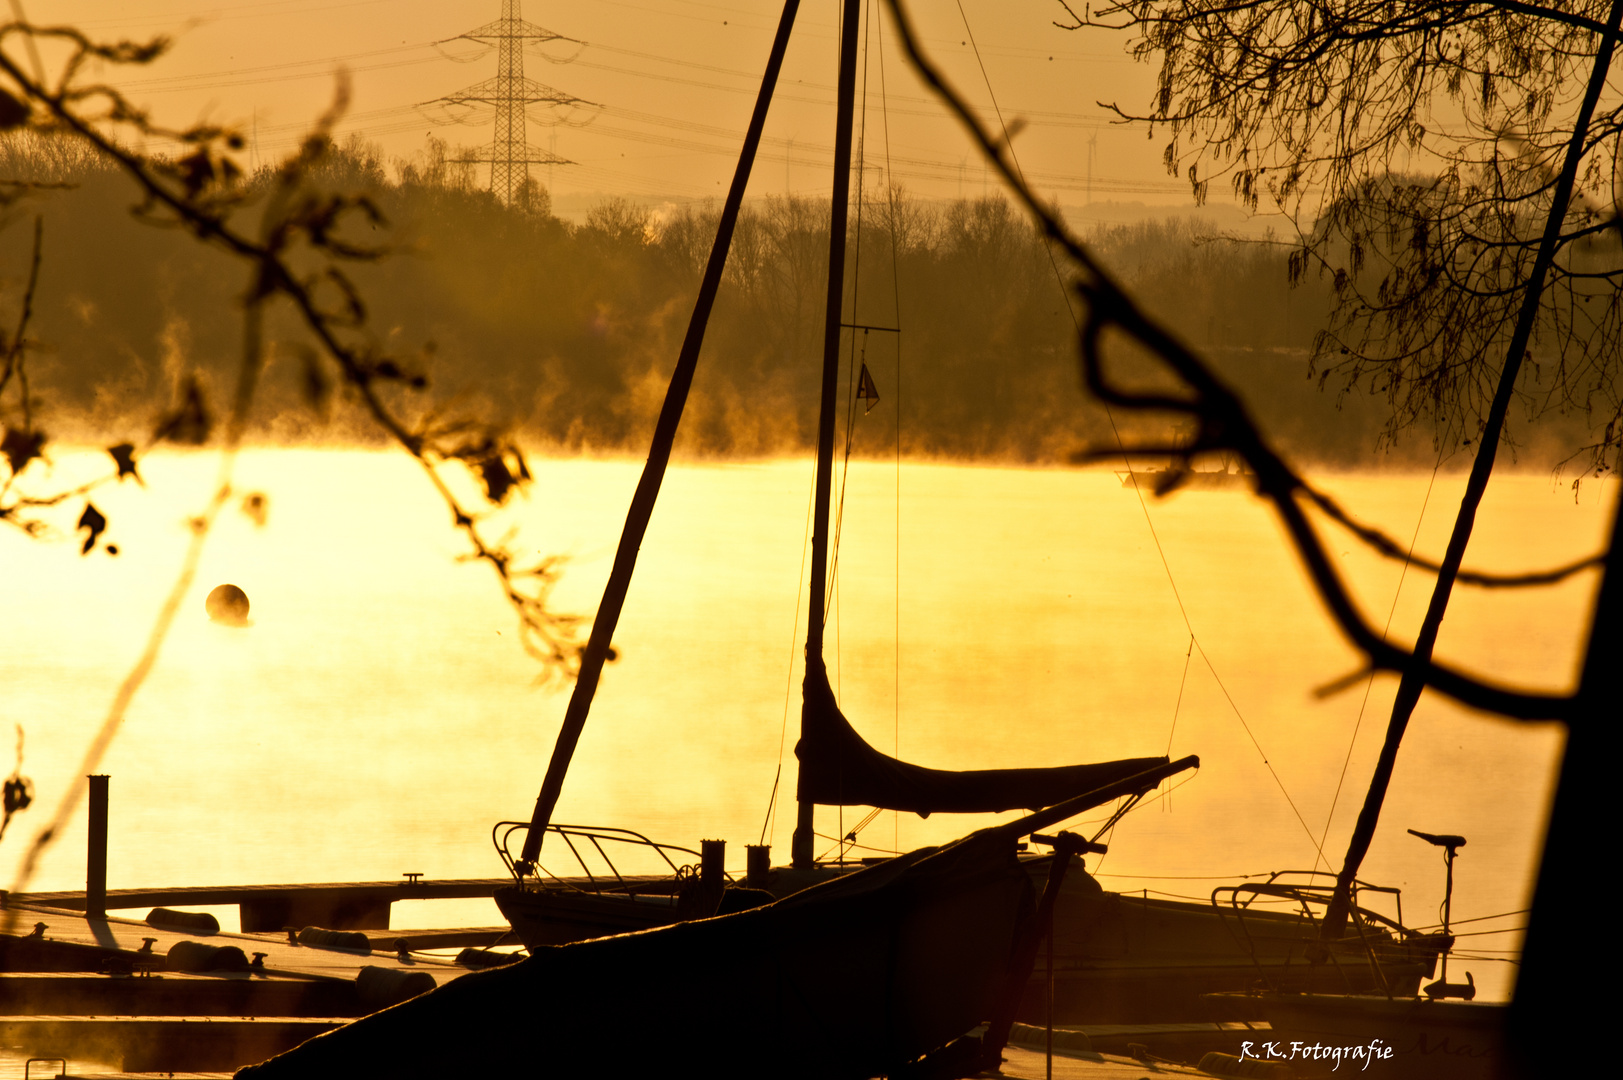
x=867, y=393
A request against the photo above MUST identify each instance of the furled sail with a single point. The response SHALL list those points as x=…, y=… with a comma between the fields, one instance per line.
x=839, y=768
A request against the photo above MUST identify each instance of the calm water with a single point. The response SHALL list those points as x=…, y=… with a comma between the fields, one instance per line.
x=378, y=716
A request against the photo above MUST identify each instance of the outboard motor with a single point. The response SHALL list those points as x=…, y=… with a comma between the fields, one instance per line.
x=1442, y=988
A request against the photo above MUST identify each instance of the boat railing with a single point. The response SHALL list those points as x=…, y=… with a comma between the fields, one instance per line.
x=581, y=839
x=1304, y=890
x=1308, y=887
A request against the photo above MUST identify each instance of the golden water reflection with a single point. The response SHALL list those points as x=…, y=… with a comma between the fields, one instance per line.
x=378, y=715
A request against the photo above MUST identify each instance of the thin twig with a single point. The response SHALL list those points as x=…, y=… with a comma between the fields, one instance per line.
x=1222, y=420
x=204, y=211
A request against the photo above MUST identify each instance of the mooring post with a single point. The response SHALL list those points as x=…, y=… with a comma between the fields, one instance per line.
x=96, y=863
x=712, y=875
x=757, y=864
x=712, y=854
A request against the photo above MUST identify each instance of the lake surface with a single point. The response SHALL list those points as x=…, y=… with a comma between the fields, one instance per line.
x=378, y=715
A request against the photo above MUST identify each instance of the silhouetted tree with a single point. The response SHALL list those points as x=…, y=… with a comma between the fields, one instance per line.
x=1222, y=421
x=1461, y=170
x=1420, y=146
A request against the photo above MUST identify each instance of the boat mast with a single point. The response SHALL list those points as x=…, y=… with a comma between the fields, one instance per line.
x=801, y=847
x=659, y=455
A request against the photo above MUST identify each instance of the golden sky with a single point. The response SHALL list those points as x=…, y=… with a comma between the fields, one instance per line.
x=673, y=82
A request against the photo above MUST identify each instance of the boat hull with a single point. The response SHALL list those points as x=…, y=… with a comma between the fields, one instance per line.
x=1117, y=958
x=542, y=917
x=1120, y=958
x=852, y=979
x=1184, y=993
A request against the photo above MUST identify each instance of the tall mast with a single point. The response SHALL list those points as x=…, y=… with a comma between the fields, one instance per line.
x=659, y=454
x=801, y=847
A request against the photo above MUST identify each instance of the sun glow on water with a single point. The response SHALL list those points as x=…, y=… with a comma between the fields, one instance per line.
x=377, y=714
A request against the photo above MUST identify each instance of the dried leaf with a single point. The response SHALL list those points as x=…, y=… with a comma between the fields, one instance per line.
x=256, y=506
x=499, y=481
x=196, y=171
x=19, y=794
x=124, y=457
x=93, y=520
x=500, y=466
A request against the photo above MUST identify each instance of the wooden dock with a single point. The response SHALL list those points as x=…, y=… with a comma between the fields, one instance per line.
x=109, y=992
x=115, y=1005
x=357, y=905
x=1021, y=1063
x=361, y=905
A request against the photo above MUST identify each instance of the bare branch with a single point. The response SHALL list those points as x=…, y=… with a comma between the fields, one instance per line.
x=1417, y=145
x=1222, y=421
x=201, y=191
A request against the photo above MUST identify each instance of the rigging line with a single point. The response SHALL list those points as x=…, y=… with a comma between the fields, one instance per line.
x=1137, y=801
x=1198, y=899
x=1167, y=795
x=896, y=321
x=849, y=846
x=33, y=46
x=789, y=678
x=864, y=823
x=851, y=370
x=1187, y=656
x=1442, y=455
x=1187, y=877
x=772, y=800
x=1008, y=141
x=1109, y=842
x=845, y=461
x=832, y=584
x=1479, y=918
x=1126, y=805
x=851, y=380
x=1260, y=752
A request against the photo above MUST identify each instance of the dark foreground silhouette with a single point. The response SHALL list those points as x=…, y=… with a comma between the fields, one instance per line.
x=851, y=979
x=860, y=976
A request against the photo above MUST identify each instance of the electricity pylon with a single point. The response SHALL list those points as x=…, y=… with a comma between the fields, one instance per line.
x=510, y=93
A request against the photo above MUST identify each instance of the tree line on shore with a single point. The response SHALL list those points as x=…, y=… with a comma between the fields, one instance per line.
x=565, y=333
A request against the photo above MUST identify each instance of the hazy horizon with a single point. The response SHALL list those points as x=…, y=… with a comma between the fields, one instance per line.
x=670, y=83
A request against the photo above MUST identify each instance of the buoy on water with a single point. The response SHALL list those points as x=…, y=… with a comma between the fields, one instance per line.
x=228, y=604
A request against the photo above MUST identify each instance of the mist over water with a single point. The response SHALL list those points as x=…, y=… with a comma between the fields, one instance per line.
x=378, y=716
x=566, y=333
